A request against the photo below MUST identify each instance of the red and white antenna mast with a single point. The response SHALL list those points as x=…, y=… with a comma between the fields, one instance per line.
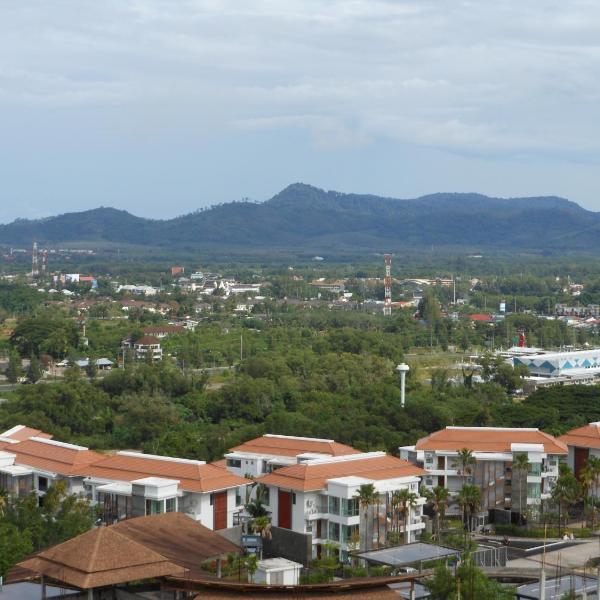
x=387, y=282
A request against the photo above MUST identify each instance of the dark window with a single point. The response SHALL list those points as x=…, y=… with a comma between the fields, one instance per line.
x=234, y=462
x=42, y=484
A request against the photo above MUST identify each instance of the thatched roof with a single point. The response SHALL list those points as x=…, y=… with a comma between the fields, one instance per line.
x=98, y=558
x=141, y=548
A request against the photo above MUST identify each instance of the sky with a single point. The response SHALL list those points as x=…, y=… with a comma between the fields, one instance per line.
x=161, y=107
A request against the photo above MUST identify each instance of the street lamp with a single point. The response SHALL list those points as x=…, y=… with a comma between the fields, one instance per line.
x=403, y=370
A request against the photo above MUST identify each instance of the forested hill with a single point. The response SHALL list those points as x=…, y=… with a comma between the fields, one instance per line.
x=302, y=217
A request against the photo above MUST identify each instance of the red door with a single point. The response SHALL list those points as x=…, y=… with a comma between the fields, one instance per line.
x=220, y=510
x=581, y=456
x=285, y=509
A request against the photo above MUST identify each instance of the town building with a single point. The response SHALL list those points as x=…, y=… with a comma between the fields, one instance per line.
x=123, y=485
x=132, y=484
x=582, y=443
x=145, y=348
x=494, y=449
x=336, y=286
x=319, y=498
x=270, y=452
x=31, y=461
x=163, y=331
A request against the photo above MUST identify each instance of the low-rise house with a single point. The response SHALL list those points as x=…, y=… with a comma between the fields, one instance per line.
x=131, y=484
x=102, y=364
x=319, y=498
x=163, y=331
x=270, y=452
x=494, y=450
x=335, y=287
x=144, y=346
x=583, y=443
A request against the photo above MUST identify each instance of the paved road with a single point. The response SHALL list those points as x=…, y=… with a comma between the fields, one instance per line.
x=571, y=558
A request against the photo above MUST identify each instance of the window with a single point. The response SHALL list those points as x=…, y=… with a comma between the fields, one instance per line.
x=334, y=531
x=235, y=463
x=534, y=490
x=334, y=505
x=349, y=534
x=170, y=505
x=535, y=469
x=154, y=507
x=293, y=497
x=350, y=507
x=238, y=497
x=42, y=484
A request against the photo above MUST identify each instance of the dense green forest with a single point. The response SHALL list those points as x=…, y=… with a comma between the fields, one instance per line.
x=302, y=216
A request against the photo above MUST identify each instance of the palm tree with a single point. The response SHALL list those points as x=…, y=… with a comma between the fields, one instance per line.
x=366, y=495
x=521, y=466
x=593, y=463
x=466, y=462
x=438, y=501
x=469, y=499
x=586, y=478
x=407, y=500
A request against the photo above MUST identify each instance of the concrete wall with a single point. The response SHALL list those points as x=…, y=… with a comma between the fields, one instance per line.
x=288, y=544
x=233, y=534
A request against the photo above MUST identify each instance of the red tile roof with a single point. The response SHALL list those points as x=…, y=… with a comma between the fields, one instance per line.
x=22, y=432
x=48, y=455
x=485, y=318
x=313, y=475
x=147, y=340
x=192, y=475
x=488, y=439
x=587, y=436
x=278, y=445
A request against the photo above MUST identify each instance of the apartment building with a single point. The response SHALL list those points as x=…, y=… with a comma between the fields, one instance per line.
x=269, y=452
x=318, y=498
x=123, y=485
x=494, y=450
x=31, y=461
x=582, y=442
x=132, y=484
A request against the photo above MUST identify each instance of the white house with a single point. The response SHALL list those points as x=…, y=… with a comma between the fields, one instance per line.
x=270, y=452
x=318, y=497
x=494, y=449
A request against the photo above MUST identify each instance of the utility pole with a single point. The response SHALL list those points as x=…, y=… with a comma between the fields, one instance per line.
x=241, y=347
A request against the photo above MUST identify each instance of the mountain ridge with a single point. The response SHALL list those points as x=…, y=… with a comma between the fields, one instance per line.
x=305, y=216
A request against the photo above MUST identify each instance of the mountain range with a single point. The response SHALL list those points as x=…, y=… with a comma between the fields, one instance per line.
x=308, y=219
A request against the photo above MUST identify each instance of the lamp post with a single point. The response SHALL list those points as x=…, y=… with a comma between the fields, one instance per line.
x=403, y=370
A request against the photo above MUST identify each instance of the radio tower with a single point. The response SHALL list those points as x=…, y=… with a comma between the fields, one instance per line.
x=35, y=270
x=387, y=282
x=44, y=262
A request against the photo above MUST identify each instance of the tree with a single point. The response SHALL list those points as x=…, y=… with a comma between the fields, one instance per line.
x=520, y=468
x=14, y=371
x=406, y=500
x=366, y=495
x=34, y=371
x=466, y=462
x=438, y=501
x=469, y=499
x=14, y=546
x=566, y=491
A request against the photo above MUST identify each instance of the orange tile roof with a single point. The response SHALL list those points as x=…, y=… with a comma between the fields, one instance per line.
x=274, y=445
x=193, y=477
x=587, y=436
x=488, y=439
x=313, y=475
x=22, y=432
x=65, y=459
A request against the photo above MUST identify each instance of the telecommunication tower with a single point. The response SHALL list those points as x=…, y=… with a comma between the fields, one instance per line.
x=35, y=269
x=44, y=262
x=387, y=282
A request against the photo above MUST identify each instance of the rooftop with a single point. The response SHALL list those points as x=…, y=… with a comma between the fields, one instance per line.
x=194, y=476
x=283, y=445
x=587, y=436
x=314, y=474
x=488, y=439
x=22, y=432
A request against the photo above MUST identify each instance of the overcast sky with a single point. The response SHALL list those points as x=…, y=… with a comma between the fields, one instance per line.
x=161, y=107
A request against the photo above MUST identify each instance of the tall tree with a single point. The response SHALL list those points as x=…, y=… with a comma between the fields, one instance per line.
x=520, y=468
x=14, y=370
x=366, y=497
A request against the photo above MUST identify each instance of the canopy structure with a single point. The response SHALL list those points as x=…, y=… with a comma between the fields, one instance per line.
x=414, y=555
x=98, y=558
x=150, y=547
